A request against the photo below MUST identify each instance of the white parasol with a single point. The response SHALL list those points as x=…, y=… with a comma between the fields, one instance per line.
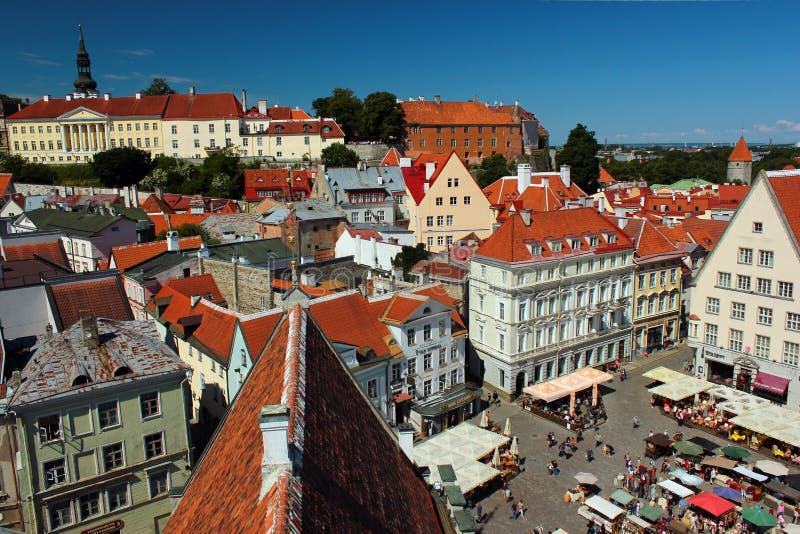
x=484, y=420
x=514, y=446
x=496, y=458
x=507, y=429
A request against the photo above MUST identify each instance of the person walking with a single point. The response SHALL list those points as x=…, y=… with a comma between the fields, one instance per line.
x=479, y=512
x=521, y=509
x=635, y=422
x=598, y=439
x=555, y=468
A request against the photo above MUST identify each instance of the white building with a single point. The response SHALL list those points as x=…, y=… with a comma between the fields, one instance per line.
x=550, y=292
x=745, y=321
x=367, y=248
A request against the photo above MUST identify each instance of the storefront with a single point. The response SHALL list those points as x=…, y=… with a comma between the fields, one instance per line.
x=447, y=408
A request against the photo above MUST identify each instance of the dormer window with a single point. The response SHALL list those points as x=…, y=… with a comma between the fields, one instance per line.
x=326, y=129
x=575, y=244
x=279, y=128
x=611, y=238
x=555, y=246
x=306, y=127
x=535, y=248
x=593, y=241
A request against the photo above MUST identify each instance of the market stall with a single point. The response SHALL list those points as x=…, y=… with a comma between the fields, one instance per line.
x=635, y=525
x=720, y=462
x=713, y=505
x=657, y=445
x=675, y=488
x=664, y=375
x=601, y=511
x=568, y=386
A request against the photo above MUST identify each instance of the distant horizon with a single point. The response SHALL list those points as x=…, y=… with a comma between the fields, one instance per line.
x=633, y=72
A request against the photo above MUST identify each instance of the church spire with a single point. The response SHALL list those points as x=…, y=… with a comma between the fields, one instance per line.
x=85, y=86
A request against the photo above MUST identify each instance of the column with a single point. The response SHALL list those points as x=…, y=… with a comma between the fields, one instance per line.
x=70, y=137
x=97, y=137
x=80, y=137
x=108, y=141
x=63, y=139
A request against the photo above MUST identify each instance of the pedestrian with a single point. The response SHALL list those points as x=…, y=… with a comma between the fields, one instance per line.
x=513, y=510
x=598, y=439
x=589, y=455
x=635, y=422
x=521, y=509
x=555, y=468
x=479, y=512
x=506, y=491
x=652, y=401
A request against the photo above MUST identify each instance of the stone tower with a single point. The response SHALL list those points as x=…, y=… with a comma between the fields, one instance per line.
x=740, y=163
x=85, y=86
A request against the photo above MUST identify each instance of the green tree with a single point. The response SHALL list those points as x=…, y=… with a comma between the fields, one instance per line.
x=189, y=230
x=121, y=167
x=338, y=155
x=382, y=118
x=579, y=153
x=343, y=106
x=222, y=174
x=158, y=86
x=776, y=159
x=7, y=98
x=408, y=257
x=492, y=168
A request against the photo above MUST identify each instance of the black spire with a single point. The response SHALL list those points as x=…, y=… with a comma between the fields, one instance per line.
x=84, y=84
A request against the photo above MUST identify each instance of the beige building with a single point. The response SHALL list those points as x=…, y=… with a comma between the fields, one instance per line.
x=444, y=201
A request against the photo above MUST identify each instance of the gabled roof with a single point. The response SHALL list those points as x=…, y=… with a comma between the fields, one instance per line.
x=323, y=127
x=276, y=180
x=401, y=307
x=352, y=178
x=650, y=242
x=277, y=113
x=202, y=106
x=153, y=204
x=787, y=193
x=391, y=159
x=348, y=318
x=17, y=247
x=741, y=152
x=202, y=285
x=126, y=106
x=446, y=113
x=164, y=222
x=509, y=242
x=6, y=186
x=335, y=485
x=605, y=177
x=704, y=232
x=99, y=294
x=415, y=177
x=226, y=226
x=257, y=328
x=127, y=256
x=77, y=223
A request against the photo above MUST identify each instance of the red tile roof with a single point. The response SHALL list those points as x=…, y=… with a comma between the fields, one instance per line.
x=335, y=487
x=81, y=295
x=365, y=233
x=126, y=106
x=439, y=293
x=50, y=250
x=153, y=204
x=414, y=176
x=127, y=256
x=605, y=177
x=741, y=152
x=165, y=222
x=391, y=159
x=466, y=113
x=650, y=242
x=349, y=319
x=202, y=284
x=401, y=307
x=257, y=328
x=509, y=242
x=277, y=113
x=5, y=182
x=203, y=106
x=732, y=195
x=787, y=192
x=306, y=127
x=285, y=285
x=256, y=180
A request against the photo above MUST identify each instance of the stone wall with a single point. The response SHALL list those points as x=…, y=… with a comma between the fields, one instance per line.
x=253, y=283
x=372, y=153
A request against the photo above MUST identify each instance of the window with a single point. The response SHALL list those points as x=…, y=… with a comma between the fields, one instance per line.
x=467, y=200
x=426, y=361
x=158, y=483
x=765, y=258
x=154, y=445
x=412, y=366
x=758, y=227
x=211, y=128
x=372, y=389
x=306, y=140
x=174, y=129
x=128, y=127
x=641, y=281
x=439, y=201
x=148, y=402
x=453, y=377
x=452, y=143
x=117, y=497
x=212, y=143
x=673, y=301
x=763, y=286
x=746, y=255
x=60, y=513
x=49, y=428
x=430, y=241
x=453, y=201
x=737, y=310
x=89, y=504
x=449, y=220
x=440, y=220
x=494, y=140
x=260, y=141
x=786, y=289
x=523, y=308
x=440, y=240
x=426, y=333
x=663, y=278
x=501, y=341
x=196, y=128
x=426, y=388
x=501, y=311
x=735, y=340
x=791, y=351
x=411, y=336
x=174, y=143
x=429, y=220
x=442, y=327
x=442, y=356
x=724, y=279
x=640, y=306
x=652, y=280
x=762, y=346
x=742, y=282
x=711, y=334
x=138, y=126
x=113, y=456
x=55, y=472
x=793, y=321
x=396, y=372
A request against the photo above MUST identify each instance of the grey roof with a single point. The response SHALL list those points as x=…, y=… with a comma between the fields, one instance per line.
x=151, y=268
x=313, y=209
x=78, y=223
x=124, y=345
x=350, y=178
x=227, y=225
x=274, y=215
x=256, y=252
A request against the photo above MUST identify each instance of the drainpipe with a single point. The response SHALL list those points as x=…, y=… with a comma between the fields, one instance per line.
x=235, y=261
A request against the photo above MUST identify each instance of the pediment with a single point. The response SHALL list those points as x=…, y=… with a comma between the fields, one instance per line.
x=81, y=114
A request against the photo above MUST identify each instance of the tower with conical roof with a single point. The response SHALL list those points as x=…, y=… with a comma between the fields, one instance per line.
x=740, y=163
x=85, y=86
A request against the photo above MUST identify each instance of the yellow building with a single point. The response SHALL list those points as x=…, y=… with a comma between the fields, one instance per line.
x=444, y=201
x=657, y=289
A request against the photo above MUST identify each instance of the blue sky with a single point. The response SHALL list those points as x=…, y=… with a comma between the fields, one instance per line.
x=633, y=71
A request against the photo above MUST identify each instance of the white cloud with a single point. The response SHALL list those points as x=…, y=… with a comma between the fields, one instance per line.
x=36, y=59
x=700, y=131
x=621, y=136
x=789, y=125
x=117, y=76
x=139, y=52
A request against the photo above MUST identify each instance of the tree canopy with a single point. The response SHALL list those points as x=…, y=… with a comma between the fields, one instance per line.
x=409, y=256
x=121, y=167
x=382, y=118
x=14, y=99
x=492, y=168
x=189, y=230
x=343, y=106
x=158, y=86
x=338, y=155
x=579, y=153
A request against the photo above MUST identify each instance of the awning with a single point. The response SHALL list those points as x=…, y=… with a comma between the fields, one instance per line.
x=604, y=507
x=621, y=496
x=782, y=489
x=713, y=504
x=446, y=473
x=447, y=400
x=675, y=488
x=681, y=389
x=750, y=474
x=771, y=383
x=664, y=375
x=465, y=521
x=638, y=521
x=707, y=444
x=719, y=461
x=454, y=496
x=563, y=386
x=402, y=397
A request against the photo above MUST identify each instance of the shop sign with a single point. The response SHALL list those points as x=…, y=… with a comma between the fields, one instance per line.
x=105, y=528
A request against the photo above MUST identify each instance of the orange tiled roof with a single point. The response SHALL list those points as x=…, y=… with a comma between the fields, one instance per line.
x=128, y=256
x=165, y=222
x=126, y=106
x=401, y=307
x=257, y=328
x=455, y=113
x=285, y=285
x=439, y=293
x=201, y=284
x=349, y=319
x=787, y=192
x=509, y=242
x=391, y=159
x=153, y=204
x=202, y=106
x=741, y=152
x=651, y=242
x=52, y=251
x=605, y=177
x=5, y=181
x=414, y=176
x=704, y=232
x=97, y=297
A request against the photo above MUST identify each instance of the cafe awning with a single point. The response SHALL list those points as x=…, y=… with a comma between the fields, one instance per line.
x=681, y=389
x=447, y=400
x=465, y=521
x=770, y=383
x=742, y=470
x=564, y=386
x=707, y=444
x=675, y=488
x=664, y=375
x=454, y=495
x=604, y=507
x=713, y=504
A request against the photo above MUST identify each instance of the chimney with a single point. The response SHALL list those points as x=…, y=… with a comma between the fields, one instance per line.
x=526, y=216
x=106, y=96
x=192, y=90
x=173, y=241
x=565, y=175
x=159, y=193
x=474, y=99
x=68, y=97
x=49, y=331
x=523, y=176
x=138, y=95
x=405, y=162
x=405, y=438
x=421, y=99
x=545, y=183
x=135, y=193
x=437, y=99
x=601, y=204
x=430, y=167
x=274, y=424
x=262, y=107
x=127, y=197
x=357, y=258
x=91, y=337
x=46, y=98
x=244, y=100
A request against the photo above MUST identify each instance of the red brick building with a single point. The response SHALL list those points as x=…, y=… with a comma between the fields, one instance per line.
x=473, y=130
